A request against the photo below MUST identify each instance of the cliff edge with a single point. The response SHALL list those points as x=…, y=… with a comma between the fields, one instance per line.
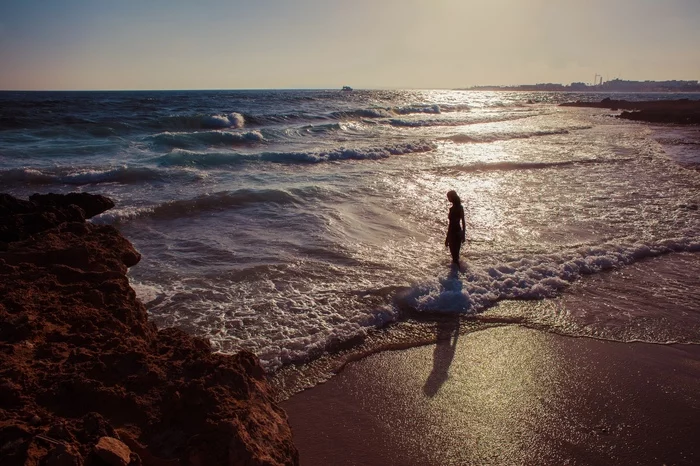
x=86, y=379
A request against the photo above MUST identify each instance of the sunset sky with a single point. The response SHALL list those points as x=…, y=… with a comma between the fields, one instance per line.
x=159, y=44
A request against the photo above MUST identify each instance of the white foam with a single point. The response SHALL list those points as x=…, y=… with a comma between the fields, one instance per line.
x=25, y=176
x=146, y=293
x=531, y=278
x=123, y=174
x=231, y=120
x=183, y=157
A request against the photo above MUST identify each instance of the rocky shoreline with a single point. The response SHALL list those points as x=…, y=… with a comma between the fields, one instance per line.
x=680, y=111
x=86, y=379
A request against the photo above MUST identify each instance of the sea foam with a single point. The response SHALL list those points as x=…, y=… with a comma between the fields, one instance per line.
x=535, y=277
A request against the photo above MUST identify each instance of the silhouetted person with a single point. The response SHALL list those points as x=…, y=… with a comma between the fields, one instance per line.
x=455, y=231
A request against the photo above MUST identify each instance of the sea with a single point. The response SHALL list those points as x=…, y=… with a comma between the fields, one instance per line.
x=299, y=223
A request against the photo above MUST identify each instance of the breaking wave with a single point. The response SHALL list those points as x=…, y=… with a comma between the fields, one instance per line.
x=124, y=175
x=188, y=140
x=201, y=121
x=530, y=278
x=471, y=120
x=218, y=201
x=388, y=112
x=216, y=159
x=17, y=176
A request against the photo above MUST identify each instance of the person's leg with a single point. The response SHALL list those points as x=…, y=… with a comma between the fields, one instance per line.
x=454, y=250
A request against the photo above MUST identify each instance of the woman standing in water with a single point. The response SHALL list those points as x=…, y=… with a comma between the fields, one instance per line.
x=455, y=232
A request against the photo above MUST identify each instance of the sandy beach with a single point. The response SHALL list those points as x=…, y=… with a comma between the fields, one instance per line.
x=506, y=395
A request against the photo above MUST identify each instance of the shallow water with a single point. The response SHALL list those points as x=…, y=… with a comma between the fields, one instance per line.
x=294, y=222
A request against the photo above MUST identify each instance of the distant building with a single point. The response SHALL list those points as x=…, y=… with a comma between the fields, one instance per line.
x=614, y=85
x=619, y=85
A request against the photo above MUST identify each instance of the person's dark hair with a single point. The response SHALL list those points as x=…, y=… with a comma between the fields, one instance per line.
x=453, y=197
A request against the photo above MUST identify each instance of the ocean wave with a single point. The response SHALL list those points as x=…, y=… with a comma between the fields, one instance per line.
x=315, y=130
x=231, y=120
x=362, y=113
x=530, y=278
x=320, y=129
x=455, y=107
x=184, y=158
x=365, y=153
x=276, y=118
x=18, y=176
x=187, y=140
x=215, y=159
x=431, y=109
x=471, y=120
x=124, y=175
x=218, y=201
x=201, y=121
x=388, y=112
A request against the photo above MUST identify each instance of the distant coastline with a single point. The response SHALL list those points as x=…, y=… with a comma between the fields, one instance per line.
x=614, y=85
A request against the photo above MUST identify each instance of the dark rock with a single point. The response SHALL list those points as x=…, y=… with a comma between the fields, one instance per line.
x=20, y=219
x=92, y=204
x=79, y=352
x=61, y=432
x=12, y=206
x=680, y=111
x=15, y=441
x=64, y=455
x=97, y=426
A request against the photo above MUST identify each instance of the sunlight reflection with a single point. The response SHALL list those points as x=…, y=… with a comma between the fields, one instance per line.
x=505, y=381
x=481, y=388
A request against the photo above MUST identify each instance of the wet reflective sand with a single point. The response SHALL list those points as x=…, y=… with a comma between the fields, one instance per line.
x=506, y=395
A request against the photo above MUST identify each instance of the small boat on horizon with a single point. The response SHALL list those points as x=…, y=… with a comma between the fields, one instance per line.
x=347, y=88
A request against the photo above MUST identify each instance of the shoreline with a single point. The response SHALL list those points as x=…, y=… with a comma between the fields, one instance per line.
x=506, y=395
x=607, y=288
x=587, y=392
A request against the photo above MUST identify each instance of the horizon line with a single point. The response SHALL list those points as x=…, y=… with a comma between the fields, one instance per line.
x=338, y=88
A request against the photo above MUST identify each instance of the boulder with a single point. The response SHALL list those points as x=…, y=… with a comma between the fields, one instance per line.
x=113, y=451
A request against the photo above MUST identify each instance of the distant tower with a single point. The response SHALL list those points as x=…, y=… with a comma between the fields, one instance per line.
x=595, y=79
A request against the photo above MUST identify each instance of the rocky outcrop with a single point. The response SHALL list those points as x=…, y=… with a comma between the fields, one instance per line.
x=681, y=111
x=86, y=379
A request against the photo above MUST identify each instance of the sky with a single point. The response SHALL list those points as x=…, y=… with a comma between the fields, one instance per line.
x=255, y=44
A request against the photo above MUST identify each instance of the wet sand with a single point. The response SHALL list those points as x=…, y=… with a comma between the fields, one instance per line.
x=506, y=395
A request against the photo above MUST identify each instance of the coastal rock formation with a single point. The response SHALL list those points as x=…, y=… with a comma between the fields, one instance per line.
x=86, y=379
x=681, y=111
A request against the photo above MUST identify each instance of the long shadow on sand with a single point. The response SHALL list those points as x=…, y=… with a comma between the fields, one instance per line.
x=447, y=333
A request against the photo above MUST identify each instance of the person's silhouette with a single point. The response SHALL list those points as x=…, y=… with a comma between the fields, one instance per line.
x=447, y=334
x=456, y=233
